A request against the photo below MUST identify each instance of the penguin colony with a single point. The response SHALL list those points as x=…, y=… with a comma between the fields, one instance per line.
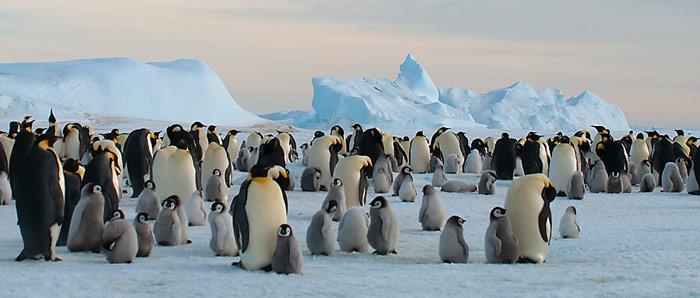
x=68, y=183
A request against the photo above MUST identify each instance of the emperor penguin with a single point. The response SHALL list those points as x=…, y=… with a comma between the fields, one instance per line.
x=453, y=248
x=458, y=185
x=661, y=154
x=648, y=183
x=196, y=212
x=619, y=183
x=501, y=245
x=638, y=151
x=320, y=238
x=563, y=165
x=5, y=189
x=405, y=143
x=453, y=164
x=474, y=163
x=201, y=142
x=216, y=189
x=671, y=180
x=575, y=186
x=217, y=158
x=446, y=144
x=490, y=144
x=597, y=177
x=353, y=171
x=504, y=156
x=693, y=186
x=682, y=169
x=271, y=152
x=383, y=232
x=352, y=141
x=434, y=161
x=144, y=234
x=258, y=210
x=337, y=193
x=138, y=157
x=243, y=161
x=75, y=141
x=168, y=226
x=432, y=211
x=213, y=136
x=22, y=146
x=399, y=179
x=487, y=183
x=384, y=163
x=439, y=178
x=531, y=155
x=148, y=201
x=527, y=203
x=222, y=241
x=568, y=226
x=352, y=231
x=338, y=131
x=287, y=258
x=388, y=149
x=119, y=240
x=324, y=156
x=304, y=154
x=419, y=153
x=371, y=145
x=254, y=139
x=173, y=168
x=407, y=191
x=87, y=222
x=231, y=144
x=73, y=173
x=103, y=170
x=311, y=179
x=381, y=180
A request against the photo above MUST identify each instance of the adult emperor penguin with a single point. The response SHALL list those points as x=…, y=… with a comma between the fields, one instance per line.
x=353, y=171
x=693, y=185
x=23, y=145
x=231, y=144
x=320, y=238
x=138, y=157
x=383, y=232
x=217, y=158
x=173, y=167
x=639, y=151
x=271, y=153
x=352, y=140
x=144, y=234
x=258, y=210
x=661, y=154
x=338, y=131
x=103, y=170
x=504, y=155
x=432, y=211
x=446, y=144
x=40, y=200
x=563, y=165
x=501, y=245
x=527, y=203
x=453, y=248
x=73, y=173
x=531, y=155
x=253, y=140
x=436, y=134
x=419, y=153
x=213, y=136
x=352, y=231
x=119, y=240
x=568, y=226
x=287, y=258
x=222, y=241
x=88, y=220
x=201, y=142
x=76, y=140
x=337, y=193
x=324, y=156
x=371, y=145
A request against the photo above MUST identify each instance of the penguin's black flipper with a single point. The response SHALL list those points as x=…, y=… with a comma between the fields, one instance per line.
x=240, y=217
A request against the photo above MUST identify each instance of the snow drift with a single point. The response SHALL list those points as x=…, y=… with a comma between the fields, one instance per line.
x=414, y=100
x=180, y=90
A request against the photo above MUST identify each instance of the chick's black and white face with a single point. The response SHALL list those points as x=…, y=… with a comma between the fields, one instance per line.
x=407, y=170
x=284, y=231
x=337, y=182
x=117, y=214
x=498, y=212
x=96, y=189
x=169, y=204
x=377, y=204
x=142, y=217
x=217, y=207
x=217, y=172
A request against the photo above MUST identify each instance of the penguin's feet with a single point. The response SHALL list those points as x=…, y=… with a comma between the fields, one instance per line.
x=189, y=241
x=21, y=257
x=393, y=252
x=52, y=259
x=381, y=253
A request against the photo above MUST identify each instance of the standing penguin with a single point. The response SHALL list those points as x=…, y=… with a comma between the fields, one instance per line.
x=352, y=231
x=196, y=212
x=648, y=183
x=501, y=245
x=563, y=165
x=682, y=169
x=432, y=211
x=638, y=151
x=439, y=178
x=337, y=193
x=222, y=241
x=399, y=179
x=216, y=189
x=144, y=234
x=138, y=157
x=311, y=179
x=87, y=223
x=693, y=185
x=575, y=187
x=103, y=170
x=381, y=181
x=453, y=164
x=504, y=155
x=568, y=226
x=353, y=171
x=671, y=180
x=324, y=156
x=407, y=191
x=453, y=248
x=487, y=183
x=319, y=235
x=352, y=141
x=383, y=230
x=527, y=203
x=597, y=177
x=168, y=226
x=231, y=144
x=243, y=161
x=371, y=145
x=259, y=209
x=530, y=155
x=23, y=144
x=338, y=131
x=73, y=173
x=419, y=153
x=217, y=159
x=119, y=240
x=474, y=163
x=174, y=169
x=287, y=257
x=661, y=154
x=148, y=201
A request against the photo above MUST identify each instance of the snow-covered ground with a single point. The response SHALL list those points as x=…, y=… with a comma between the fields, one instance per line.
x=631, y=245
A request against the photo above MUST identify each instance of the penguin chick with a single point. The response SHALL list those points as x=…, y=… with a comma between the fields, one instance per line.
x=487, y=183
x=311, y=179
x=434, y=162
x=407, y=192
x=144, y=234
x=648, y=183
x=148, y=201
x=287, y=256
x=381, y=181
x=501, y=245
x=568, y=226
x=336, y=193
x=598, y=177
x=223, y=241
x=458, y=186
x=474, y=163
x=575, y=187
x=319, y=234
x=243, y=160
x=196, y=213
x=383, y=230
x=215, y=190
x=432, y=211
x=439, y=177
x=453, y=164
x=5, y=189
x=119, y=239
x=352, y=231
x=87, y=223
x=399, y=180
x=453, y=248
x=671, y=180
x=167, y=229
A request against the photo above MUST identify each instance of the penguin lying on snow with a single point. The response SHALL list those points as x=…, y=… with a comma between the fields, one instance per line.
x=458, y=186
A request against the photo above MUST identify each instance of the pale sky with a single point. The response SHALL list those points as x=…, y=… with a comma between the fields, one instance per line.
x=641, y=55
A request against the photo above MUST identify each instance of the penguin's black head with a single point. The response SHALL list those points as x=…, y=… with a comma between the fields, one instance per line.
x=218, y=207
x=420, y=133
x=497, y=212
x=549, y=193
x=564, y=140
x=338, y=129
x=378, y=203
x=318, y=134
x=454, y=219
x=304, y=146
x=259, y=170
x=505, y=136
x=196, y=125
x=117, y=214
x=331, y=206
x=428, y=189
x=27, y=123
x=571, y=209
x=52, y=118
x=142, y=217
x=406, y=170
x=691, y=140
x=39, y=131
x=171, y=202
x=640, y=136
x=337, y=182
x=50, y=139
x=71, y=165
x=680, y=132
x=211, y=128
x=405, y=139
x=216, y=172
x=284, y=230
x=443, y=129
x=14, y=127
x=150, y=185
x=357, y=126
x=233, y=132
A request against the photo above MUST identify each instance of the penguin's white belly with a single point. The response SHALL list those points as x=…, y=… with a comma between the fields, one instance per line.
x=474, y=163
x=214, y=159
x=72, y=145
x=420, y=157
x=320, y=158
x=266, y=212
x=351, y=188
x=563, y=166
x=524, y=215
x=639, y=152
